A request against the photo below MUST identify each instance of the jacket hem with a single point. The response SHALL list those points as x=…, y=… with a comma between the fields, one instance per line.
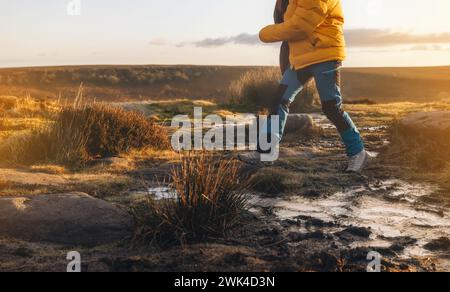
x=304, y=61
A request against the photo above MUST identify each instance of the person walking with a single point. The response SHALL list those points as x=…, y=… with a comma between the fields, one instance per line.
x=312, y=36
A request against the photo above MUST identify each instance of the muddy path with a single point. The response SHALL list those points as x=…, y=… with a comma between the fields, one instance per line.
x=312, y=217
x=375, y=211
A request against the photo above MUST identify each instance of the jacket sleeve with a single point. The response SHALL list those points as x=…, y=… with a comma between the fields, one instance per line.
x=308, y=15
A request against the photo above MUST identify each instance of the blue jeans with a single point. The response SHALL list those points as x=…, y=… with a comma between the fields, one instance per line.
x=327, y=77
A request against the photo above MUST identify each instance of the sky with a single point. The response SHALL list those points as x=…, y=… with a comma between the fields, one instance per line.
x=205, y=32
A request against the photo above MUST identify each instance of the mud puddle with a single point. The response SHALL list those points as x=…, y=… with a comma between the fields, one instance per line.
x=390, y=210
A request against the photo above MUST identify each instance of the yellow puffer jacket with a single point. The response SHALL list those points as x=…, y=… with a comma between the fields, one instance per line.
x=314, y=30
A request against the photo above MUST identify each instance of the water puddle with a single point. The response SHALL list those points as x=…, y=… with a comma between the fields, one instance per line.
x=156, y=193
x=373, y=154
x=162, y=193
x=391, y=209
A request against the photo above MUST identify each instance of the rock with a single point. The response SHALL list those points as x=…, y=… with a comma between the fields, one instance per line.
x=74, y=219
x=440, y=244
x=299, y=123
x=437, y=120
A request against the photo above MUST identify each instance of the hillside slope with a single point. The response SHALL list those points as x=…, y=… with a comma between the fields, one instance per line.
x=126, y=83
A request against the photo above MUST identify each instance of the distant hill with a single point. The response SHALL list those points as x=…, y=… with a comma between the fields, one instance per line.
x=397, y=84
x=126, y=83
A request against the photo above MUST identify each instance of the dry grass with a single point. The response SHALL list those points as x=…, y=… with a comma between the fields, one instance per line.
x=27, y=107
x=420, y=155
x=418, y=149
x=21, y=124
x=49, y=169
x=259, y=89
x=24, y=114
x=8, y=102
x=208, y=203
x=4, y=185
x=80, y=133
x=274, y=181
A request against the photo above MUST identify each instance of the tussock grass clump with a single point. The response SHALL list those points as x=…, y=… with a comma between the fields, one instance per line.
x=209, y=202
x=274, y=181
x=111, y=130
x=81, y=133
x=422, y=153
x=259, y=89
x=423, y=149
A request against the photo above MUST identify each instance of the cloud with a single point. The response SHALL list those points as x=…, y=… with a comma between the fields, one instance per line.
x=428, y=48
x=360, y=38
x=386, y=38
x=405, y=48
x=241, y=39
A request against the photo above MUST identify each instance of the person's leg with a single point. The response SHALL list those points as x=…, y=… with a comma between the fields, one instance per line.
x=327, y=76
x=290, y=86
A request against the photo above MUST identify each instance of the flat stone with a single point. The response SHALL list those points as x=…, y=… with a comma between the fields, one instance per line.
x=74, y=219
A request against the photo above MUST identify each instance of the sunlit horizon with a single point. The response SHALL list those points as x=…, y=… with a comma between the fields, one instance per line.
x=380, y=33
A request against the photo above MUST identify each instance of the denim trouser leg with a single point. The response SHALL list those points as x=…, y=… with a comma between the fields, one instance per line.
x=290, y=87
x=327, y=77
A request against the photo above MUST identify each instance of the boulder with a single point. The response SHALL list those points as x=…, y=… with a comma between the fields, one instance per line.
x=436, y=120
x=73, y=219
x=299, y=123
